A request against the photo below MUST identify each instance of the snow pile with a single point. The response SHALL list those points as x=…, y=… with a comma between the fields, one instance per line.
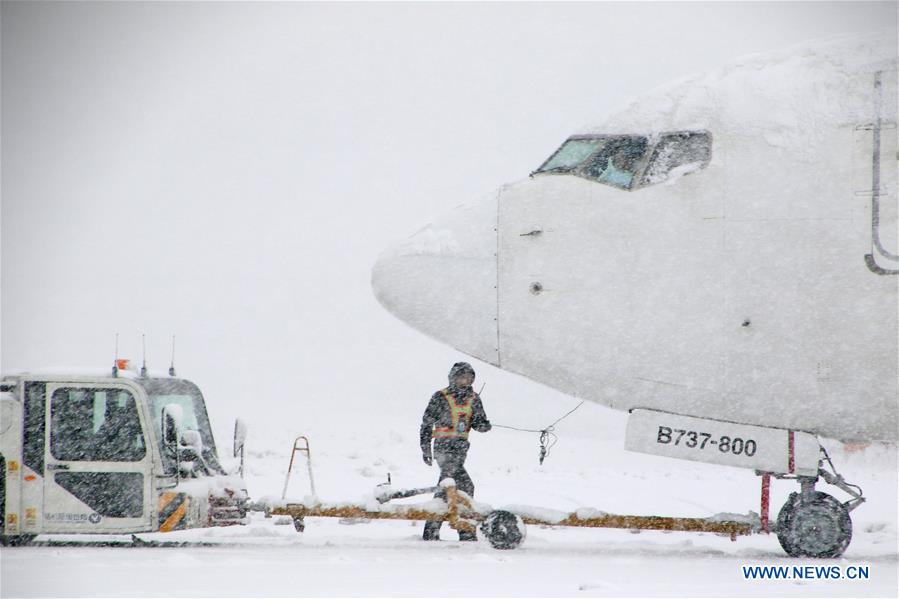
x=780, y=97
x=672, y=176
x=587, y=513
x=215, y=486
x=750, y=518
x=547, y=515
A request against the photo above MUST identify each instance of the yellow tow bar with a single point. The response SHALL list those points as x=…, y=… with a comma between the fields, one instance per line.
x=504, y=529
x=462, y=516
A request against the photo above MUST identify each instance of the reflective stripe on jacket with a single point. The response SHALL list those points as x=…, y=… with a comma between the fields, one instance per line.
x=460, y=414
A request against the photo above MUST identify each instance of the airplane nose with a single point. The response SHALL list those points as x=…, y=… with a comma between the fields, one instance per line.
x=442, y=280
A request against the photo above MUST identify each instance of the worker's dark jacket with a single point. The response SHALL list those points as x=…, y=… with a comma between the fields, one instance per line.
x=450, y=444
x=438, y=415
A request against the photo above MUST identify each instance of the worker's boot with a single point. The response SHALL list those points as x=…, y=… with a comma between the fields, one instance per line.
x=432, y=530
x=467, y=536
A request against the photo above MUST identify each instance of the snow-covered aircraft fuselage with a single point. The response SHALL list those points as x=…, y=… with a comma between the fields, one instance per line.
x=738, y=262
x=723, y=248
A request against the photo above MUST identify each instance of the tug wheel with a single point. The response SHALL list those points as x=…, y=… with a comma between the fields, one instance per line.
x=15, y=540
x=817, y=527
x=504, y=530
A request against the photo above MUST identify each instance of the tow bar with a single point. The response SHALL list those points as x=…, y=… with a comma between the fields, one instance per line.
x=504, y=529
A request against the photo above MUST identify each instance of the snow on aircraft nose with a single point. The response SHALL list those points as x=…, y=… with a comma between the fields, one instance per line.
x=442, y=280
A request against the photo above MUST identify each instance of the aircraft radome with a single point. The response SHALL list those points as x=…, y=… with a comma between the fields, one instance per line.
x=720, y=257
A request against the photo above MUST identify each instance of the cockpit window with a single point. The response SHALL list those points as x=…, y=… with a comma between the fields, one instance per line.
x=617, y=163
x=631, y=161
x=571, y=154
x=678, y=154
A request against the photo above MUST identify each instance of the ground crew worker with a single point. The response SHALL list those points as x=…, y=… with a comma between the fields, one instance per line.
x=450, y=415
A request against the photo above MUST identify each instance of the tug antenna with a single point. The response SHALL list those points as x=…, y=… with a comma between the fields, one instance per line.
x=172, y=367
x=143, y=368
x=115, y=362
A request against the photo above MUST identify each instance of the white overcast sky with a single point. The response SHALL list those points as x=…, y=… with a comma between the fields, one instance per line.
x=230, y=172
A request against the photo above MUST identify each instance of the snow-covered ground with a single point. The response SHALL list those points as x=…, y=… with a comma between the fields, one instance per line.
x=230, y=171
x=587, y=468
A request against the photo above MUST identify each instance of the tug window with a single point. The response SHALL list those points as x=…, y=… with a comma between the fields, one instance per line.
x=35, y=404
x=166, y=391
x=110, y=494
x=95, y=425
x=678, y=154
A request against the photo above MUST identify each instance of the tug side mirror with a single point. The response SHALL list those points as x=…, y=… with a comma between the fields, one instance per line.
x=171, y=424
x=192, y=440
x=172, y=415
x=240, y=439
x=240, y=436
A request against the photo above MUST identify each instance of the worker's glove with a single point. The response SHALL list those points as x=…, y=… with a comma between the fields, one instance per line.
x=426, y=457
x=483, y=426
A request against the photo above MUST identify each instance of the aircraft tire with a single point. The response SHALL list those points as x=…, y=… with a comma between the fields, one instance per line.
x=504, y=530
x=818, y=527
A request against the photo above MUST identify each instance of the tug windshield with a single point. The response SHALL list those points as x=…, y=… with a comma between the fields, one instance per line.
x=185, y=394
x=630, y=161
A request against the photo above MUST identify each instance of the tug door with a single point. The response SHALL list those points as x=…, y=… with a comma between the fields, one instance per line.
x=98, y=466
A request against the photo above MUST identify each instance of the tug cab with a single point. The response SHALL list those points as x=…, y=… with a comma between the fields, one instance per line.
x=110, y=453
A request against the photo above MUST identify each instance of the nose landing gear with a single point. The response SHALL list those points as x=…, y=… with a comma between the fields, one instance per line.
x=814, y=526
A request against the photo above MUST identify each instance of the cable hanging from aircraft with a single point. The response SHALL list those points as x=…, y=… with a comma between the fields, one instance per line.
x=546, y=434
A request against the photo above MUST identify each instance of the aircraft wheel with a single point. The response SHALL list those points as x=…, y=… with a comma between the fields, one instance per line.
x=819, y=527
x=503, y=529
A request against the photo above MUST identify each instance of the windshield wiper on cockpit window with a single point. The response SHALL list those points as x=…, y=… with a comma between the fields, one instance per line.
x=554, y=169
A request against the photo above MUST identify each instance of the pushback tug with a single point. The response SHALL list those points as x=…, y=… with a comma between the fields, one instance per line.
x=114, y=452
